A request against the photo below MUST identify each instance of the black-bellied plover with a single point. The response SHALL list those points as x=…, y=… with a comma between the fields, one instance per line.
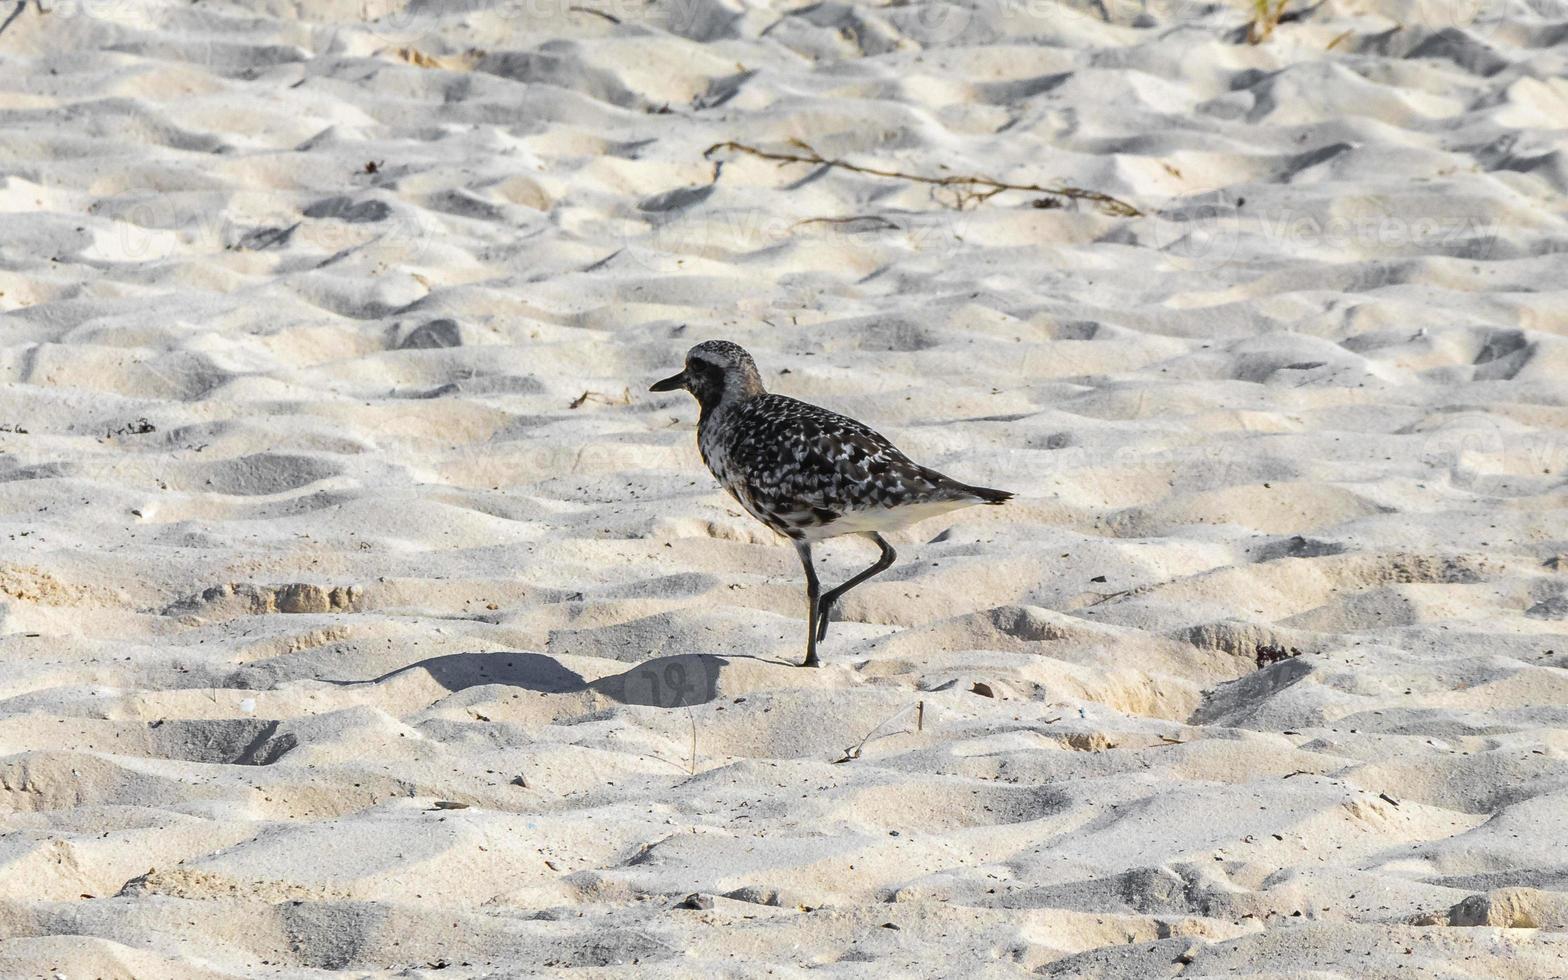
x=806, y=472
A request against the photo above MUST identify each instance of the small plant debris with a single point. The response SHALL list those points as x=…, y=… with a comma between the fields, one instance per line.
x=597, y=13
x=595, y=396
x=1273, y=653
x=140, y=427
x=1266, y=15
x=853, y=752
x=872, y=222
x=414, y=56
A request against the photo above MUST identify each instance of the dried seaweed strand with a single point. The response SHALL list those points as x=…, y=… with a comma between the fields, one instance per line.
x=967, y=188
x=1265, y=17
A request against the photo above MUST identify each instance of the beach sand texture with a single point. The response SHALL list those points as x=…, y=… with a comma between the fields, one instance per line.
x=362, y=614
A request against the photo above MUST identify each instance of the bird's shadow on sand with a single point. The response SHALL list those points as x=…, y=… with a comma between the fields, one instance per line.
x=678, y=681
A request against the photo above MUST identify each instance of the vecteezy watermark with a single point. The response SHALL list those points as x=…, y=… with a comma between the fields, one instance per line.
x=190, y=31
x=664, y=240
x=169, y=226
x=412, y=22
x=1139, y=485
x=440, y=444
x=1213, y=235
x=1478, y=18
x=936, y=23
x=933, y=23
x=141, y=14
x=1472, y=448
x=1388, y=233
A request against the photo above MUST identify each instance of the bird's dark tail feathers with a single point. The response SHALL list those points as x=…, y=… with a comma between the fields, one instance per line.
x=991, y=496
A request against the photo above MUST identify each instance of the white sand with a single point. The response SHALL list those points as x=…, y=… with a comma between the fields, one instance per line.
x=377, y=551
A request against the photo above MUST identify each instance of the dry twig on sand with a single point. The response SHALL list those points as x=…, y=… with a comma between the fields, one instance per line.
x=597, y=13
x=693, y=718
x=690, y=766
x=919, y=707
x=625, y=398
x=967, y=190
x=851, y=219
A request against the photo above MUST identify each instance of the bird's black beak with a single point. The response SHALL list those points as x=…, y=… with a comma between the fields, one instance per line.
x=674, y=383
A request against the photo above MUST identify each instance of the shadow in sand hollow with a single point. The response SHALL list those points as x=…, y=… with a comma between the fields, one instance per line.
x=664, y=682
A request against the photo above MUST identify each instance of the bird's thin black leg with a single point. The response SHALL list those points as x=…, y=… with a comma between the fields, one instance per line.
x=804, y=550
x=825, y=605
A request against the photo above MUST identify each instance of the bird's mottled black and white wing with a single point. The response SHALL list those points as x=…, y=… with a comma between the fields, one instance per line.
x=798, y=468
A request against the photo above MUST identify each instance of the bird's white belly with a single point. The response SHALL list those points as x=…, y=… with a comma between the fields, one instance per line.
x=883, y=518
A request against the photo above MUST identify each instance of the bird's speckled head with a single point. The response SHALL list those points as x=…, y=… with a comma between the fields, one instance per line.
x=715, y=371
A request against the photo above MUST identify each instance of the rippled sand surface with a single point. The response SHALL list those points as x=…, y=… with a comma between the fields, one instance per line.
x=362, y=613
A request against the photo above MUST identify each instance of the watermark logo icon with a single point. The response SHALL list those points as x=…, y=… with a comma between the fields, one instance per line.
x=932, y=23
x=679, y=681
x=1198, y=235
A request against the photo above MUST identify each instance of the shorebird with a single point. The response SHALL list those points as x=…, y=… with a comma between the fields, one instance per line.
x=806, y=472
